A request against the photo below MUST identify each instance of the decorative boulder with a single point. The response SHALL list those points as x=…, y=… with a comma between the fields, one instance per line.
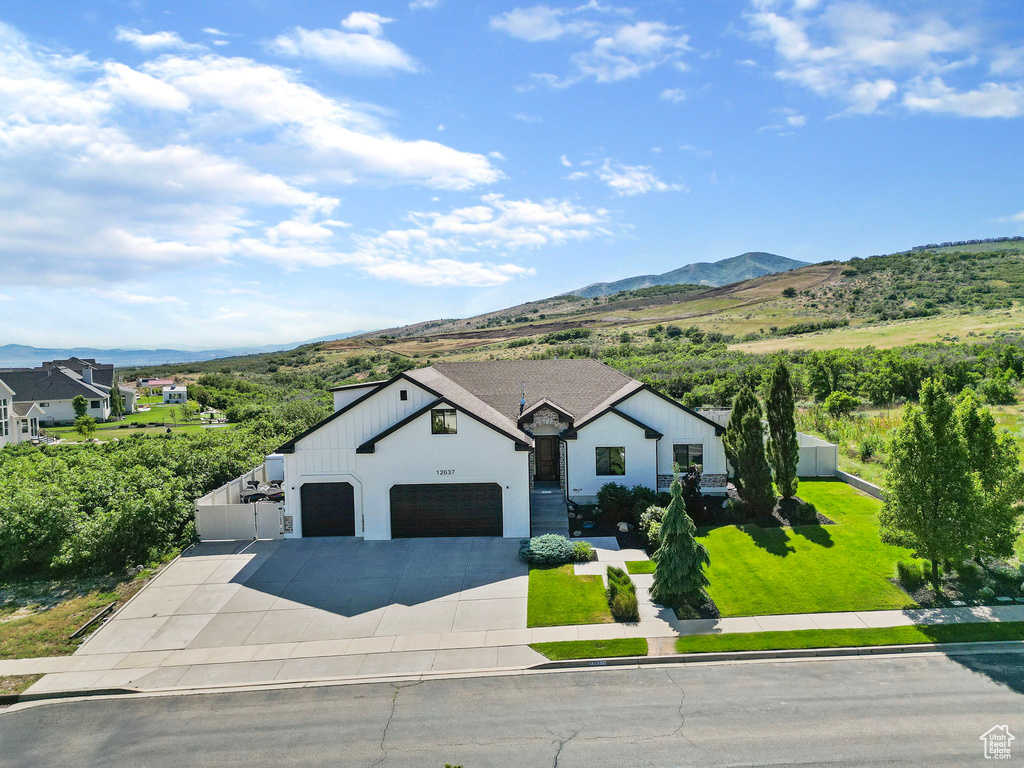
x=625, y=527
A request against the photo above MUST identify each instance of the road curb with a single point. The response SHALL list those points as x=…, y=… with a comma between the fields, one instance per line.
x=638, y=662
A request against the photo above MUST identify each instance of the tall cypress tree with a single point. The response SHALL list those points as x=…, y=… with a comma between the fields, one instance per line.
x=744, y=447
x=783, y=451
x=680, y=560
x=116, y=400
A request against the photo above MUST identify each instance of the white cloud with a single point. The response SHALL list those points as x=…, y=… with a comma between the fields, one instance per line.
x=157, y=41
x=796, y=121
x=362, y=48
x=419, y=5
x=96, y=190
x=618, y=49
x=566, y=162
x=673, y=95
x=867, y=56
x=126, y=297
x=214, y=31
x=630, y=180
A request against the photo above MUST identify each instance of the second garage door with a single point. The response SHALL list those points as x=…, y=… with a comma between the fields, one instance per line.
x=328, y=509
x=446, y=509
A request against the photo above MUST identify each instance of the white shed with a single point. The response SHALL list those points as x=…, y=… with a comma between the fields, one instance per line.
x=176, y=394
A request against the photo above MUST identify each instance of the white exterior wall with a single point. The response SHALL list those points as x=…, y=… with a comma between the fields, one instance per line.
x=345, y=396
x=677, y=426
x=62, y=410
x=411, y=455
x=609, y=431
x=7, y=420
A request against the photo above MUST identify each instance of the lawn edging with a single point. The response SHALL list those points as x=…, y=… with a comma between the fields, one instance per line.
x=579, y=650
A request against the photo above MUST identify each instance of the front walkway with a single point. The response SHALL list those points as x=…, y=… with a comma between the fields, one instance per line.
x=126, y=654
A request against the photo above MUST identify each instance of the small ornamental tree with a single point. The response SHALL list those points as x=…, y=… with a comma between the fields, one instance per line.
x=993, y=457
x=85, y=426
x=932, y=499
x=679, y=578
x=783, y=451
x=116, y=400
x=744, y=447
x=80, y=404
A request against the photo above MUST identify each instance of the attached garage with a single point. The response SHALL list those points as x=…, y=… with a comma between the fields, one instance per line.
x=328, y=509
x=446, y=509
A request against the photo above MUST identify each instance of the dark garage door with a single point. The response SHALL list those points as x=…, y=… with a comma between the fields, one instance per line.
x=328, y=509
x=447, y=509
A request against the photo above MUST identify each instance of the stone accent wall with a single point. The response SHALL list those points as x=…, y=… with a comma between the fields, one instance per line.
x=665, y=482
x=544, y=417
x=533, y=468
x=713, y=481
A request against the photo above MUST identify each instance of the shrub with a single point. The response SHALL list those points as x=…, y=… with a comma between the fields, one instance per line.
x=622, y=597
x=549, y=549
x=583, y=551
x=870, y=446
x=911, y=576
x=841, y=403
x=807, y=513
x=650, y=524
x=789, y=292
x=1003, y=573
x=642, y=498
x=615, y=500
x=999, y=391
x=969, y=573
x=986, y=593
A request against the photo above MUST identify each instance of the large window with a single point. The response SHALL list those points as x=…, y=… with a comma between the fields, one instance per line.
x=4, y=416
x=442, y=421
x=686, y=455
x=611, y=461
x=94, y=404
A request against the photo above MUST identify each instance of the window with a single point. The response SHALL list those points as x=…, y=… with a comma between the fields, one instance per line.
x=94, y=404
x=4, y=416
x=442, y=421
x=44, y=405
x=611, y=461
x=24, y=427
x=403, y=394
x=688, y=454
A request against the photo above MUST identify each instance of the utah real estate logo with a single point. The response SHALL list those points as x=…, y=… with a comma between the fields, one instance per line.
x=997, y=742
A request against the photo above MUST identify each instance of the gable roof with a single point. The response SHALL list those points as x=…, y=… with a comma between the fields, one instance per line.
x=574, y=386
x=57, y=383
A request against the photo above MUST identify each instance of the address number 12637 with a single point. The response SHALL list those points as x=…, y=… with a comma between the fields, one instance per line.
x=446, y=471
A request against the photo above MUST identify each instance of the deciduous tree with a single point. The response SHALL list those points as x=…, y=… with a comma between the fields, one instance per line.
x=80, y=404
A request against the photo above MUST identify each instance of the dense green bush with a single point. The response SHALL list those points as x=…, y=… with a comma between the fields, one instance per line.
x=78, y=509
x=583, y=551
x=912, y=576
x=615, y=500
x=650, y=525
x=841, y=403
x=549, y=549
x=621, y=595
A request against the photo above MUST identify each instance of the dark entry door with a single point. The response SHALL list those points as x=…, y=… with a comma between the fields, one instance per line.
x=547, y=458
x=446, y=509
x=328, y=509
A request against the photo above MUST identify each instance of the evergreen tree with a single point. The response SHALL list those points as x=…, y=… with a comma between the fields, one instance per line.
x=744, y=447
x=116, y=400
x=783, y=452
x=680, y=560
x=993, y=457
x=932, y=498
x=80, y=404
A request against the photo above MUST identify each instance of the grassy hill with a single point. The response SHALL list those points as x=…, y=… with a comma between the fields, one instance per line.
x=743, y=267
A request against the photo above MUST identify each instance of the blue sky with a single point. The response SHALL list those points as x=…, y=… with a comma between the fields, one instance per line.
x=203, y=174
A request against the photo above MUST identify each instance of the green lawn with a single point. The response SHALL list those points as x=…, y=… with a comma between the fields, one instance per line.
x=557, y=597
x=847, y=638
x=592, y=649
x=102, y=433
x=640, y=566
x=16, y=683
x=810, y=568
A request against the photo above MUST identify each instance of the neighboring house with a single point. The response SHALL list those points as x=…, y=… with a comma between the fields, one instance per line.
x=456, y=449
x=19, y=422
x=175, y=394
x=54, y=384
x=153, y=384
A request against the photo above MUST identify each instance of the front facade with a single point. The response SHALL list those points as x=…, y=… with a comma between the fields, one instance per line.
x=19, y=422
x=53, y=386
x=456, y=449
x=175, y=394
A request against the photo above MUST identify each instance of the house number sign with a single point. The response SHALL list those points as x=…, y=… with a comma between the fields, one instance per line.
x=446, y=471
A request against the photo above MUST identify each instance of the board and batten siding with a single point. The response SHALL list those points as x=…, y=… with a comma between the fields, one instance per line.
x=609, y=431
x=678, y=426
x=476, y=453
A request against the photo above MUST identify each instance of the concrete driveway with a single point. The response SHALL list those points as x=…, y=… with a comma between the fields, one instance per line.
x=232, y=594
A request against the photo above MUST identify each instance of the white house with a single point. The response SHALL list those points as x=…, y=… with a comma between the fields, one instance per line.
x=53, y=386
x=19, y=422
x=175, y=394
x=458, y=448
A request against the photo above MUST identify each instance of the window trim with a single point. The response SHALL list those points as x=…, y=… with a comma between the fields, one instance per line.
x=403, y=394
x=597, y=460
x=95, y=403
x=688, y=442
x=444, y=414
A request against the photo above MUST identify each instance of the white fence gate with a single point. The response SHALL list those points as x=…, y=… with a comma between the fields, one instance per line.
x=220, y=514
x=818, y=458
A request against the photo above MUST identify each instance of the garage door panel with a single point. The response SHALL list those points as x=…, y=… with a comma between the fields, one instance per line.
x=328, y=509
x=446, y=509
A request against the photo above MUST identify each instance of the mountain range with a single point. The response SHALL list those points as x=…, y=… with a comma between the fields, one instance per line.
x=746, y=266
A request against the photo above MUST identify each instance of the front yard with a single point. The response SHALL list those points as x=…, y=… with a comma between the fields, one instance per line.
x=557, y=597
x=810, y=568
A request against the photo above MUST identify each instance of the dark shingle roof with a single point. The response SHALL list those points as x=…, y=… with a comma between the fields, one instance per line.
x=52, y=384
x=576, y=386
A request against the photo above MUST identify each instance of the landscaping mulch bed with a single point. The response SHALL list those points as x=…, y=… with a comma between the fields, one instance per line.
x=603, y=526
x=785, y=515
x=705, y=610
x=954, y=590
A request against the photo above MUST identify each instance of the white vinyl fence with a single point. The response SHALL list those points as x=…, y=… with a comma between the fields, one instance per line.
x=818, y=458
x=220, y=514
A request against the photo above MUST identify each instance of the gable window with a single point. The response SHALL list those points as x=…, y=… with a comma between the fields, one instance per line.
x=44, y=405
x=403, y=394
x=611, y=461
x=94, y=404
x=442, y=421
x=4, y=416
x=688, y=454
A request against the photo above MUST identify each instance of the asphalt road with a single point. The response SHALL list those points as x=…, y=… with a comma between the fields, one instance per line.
x=927, y=711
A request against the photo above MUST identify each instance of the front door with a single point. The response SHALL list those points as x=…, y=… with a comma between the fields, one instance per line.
x=547, y=457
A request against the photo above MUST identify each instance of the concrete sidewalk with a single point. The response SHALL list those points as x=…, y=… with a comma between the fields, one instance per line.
x=407, y=654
